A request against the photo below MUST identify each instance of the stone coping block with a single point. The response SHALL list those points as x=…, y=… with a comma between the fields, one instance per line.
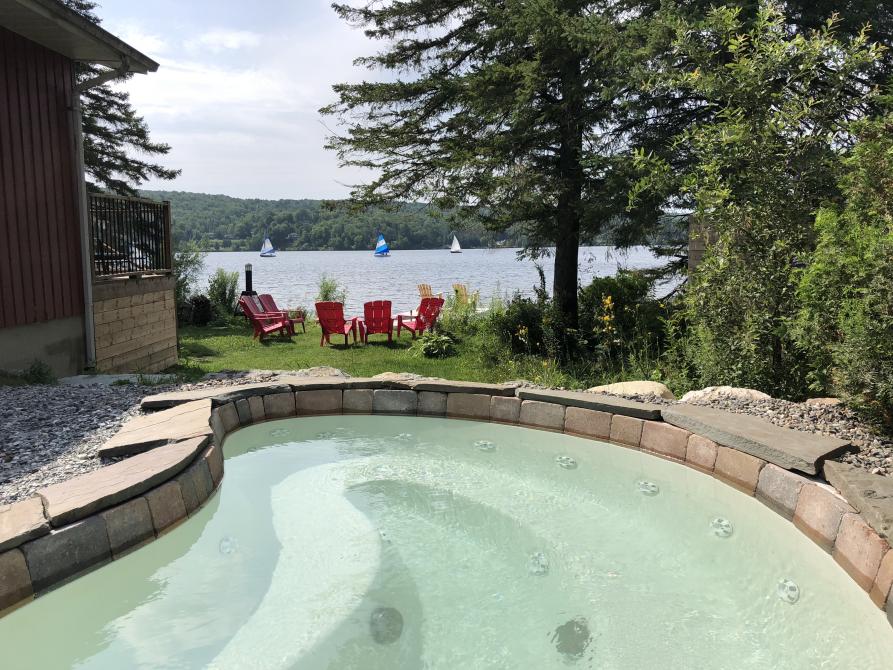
x=859, y=550
x=129, y=525
x=279, y=405
x=82, y=496
x=321, y=401
x=505, y=409
x=871, y=495
x=213, y=456
x=449, y=386
x=196, y=485
x=243, y=408
x=626, y=430
x=166, y=505
x=357, y=401
x=587, y=422
x=229, y=417
x=664, y=439
x=432, y=403
x=818, y=514
x=701, y=453
x=597, y=401
x=390, y=401
x=190, y=420
x=256, y=405
x=22, y=521
x=542, y=414
x=789, y=449
x=738, y=469
x=883, y=581
x=468, y=405
x=339, y=383
x=219, y=395
x=15, y=580
x=779, y=489
x=67, y=552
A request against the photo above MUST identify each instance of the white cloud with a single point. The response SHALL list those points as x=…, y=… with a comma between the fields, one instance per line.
x=131, y=32
x=216, y=41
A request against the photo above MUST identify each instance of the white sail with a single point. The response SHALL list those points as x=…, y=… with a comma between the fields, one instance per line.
x=267, y=249
x=455, y=248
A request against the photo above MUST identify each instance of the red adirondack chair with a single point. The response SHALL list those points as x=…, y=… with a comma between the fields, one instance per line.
x=264, y=322
x=332, y=322
x=270, y=306
x=426, y=317
x=377, y=319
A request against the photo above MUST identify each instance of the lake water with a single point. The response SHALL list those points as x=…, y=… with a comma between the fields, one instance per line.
x=292, y=277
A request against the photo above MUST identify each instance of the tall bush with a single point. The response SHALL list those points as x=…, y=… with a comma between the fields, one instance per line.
x=761, y=168
x=223, y=292
x=846, y=291
x=188, y=264
x=330, y=290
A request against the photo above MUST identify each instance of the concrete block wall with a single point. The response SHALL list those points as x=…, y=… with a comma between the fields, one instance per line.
x=135, y=324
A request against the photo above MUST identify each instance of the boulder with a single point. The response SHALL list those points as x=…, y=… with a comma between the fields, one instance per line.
x=712, y=393
x=635, y=389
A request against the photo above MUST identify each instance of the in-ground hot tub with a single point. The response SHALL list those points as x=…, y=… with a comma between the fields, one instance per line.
x=374, y=542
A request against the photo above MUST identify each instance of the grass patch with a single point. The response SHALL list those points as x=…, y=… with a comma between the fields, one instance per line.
x=231, y=347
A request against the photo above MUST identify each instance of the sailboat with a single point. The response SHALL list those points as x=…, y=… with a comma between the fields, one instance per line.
x=381, y=247
x=455, y=248
x=267, y=249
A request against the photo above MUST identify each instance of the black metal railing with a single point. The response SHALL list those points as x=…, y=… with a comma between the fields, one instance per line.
x=131, y=236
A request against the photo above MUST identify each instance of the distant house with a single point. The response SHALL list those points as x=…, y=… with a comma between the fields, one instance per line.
x=85, y=280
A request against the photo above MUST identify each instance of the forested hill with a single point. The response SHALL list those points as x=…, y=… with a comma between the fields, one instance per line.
x=220, y=222
x=223, y=223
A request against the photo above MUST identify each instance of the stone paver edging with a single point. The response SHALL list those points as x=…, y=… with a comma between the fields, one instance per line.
x=83, y=523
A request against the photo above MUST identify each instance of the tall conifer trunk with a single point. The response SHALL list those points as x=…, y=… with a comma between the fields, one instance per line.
x=571, y=178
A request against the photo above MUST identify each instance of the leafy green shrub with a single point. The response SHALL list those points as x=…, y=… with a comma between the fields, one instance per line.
x=188, y=263
x=330, y=290
x=435, y=345
x=620, y=318
x=39, y=373
x=223, y=293
x=202, y=311
x=459, y=318
x=846, y=291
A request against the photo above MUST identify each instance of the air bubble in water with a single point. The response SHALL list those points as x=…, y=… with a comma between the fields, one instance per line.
x=647, y=488
x=386, y=625
x=227, y=546
x=788, y=591
x=485, y=445
x=279, y=432
x=722, y=527
x=538, y=564
x=404, y=436
x=566, y=462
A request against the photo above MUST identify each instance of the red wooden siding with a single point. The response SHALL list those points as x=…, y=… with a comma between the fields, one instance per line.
x=40, y=250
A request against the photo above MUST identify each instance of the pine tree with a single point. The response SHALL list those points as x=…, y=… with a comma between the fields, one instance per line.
x=498, y=119
x=118, y=148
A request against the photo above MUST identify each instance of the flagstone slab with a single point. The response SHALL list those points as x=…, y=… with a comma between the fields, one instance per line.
x=218, y=394
x=142, y=433
x=596, y=401
x=871, y=495
x=111, y=485
x=786, y=448
x=22, y=521
x=450, y=386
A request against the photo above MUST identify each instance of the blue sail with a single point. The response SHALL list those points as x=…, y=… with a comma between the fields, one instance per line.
x=381, y=247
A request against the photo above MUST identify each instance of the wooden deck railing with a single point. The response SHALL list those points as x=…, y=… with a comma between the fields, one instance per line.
x=131, y=236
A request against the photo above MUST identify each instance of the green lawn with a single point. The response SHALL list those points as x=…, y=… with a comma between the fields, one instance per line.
x=231, y=347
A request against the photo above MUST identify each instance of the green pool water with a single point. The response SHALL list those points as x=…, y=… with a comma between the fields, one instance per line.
x=378, y=543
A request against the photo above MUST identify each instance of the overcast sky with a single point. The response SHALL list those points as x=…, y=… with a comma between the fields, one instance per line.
x=238, y=91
